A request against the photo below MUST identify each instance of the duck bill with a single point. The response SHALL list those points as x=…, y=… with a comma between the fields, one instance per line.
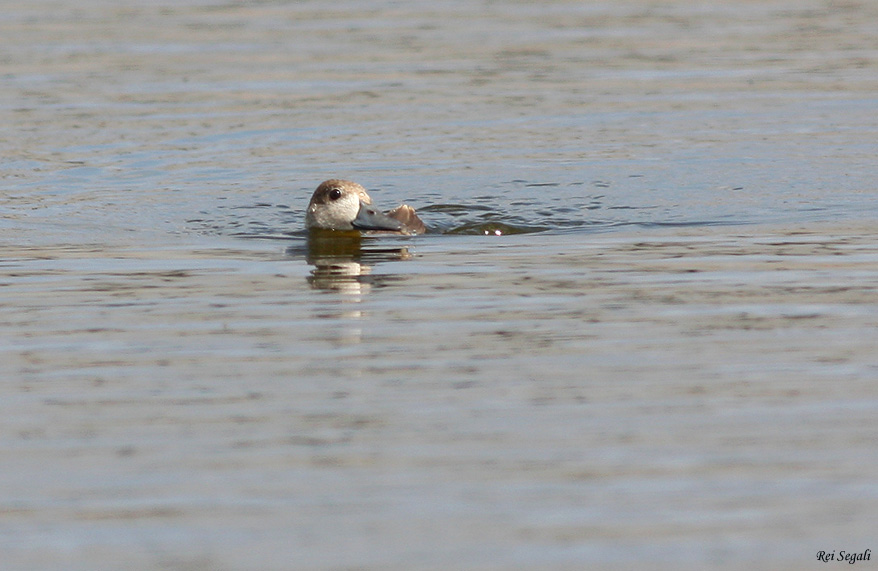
x=368, y=218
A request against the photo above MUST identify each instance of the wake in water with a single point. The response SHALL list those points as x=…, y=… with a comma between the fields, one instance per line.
x=514, y=207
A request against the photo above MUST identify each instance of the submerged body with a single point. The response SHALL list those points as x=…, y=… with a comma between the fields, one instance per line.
x=345, y=205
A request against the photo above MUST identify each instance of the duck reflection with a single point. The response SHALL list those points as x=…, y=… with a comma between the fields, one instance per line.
x=342, y=264
x=343, y=261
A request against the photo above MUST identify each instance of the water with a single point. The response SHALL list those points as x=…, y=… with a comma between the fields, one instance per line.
x=640, y=331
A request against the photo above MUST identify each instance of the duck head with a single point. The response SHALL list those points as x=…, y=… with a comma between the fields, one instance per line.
x=345, y=205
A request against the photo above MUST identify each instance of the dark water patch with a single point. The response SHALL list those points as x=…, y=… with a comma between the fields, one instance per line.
x=685, y=223
x=454, y=209
x=258, y=205
x=495, y=229
x=260, y=219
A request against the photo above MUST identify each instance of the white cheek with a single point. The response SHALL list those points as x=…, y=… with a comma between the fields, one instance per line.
x=349, y=207
x=340, y=213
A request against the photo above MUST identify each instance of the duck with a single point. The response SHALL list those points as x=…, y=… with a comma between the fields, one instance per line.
x=345, y=205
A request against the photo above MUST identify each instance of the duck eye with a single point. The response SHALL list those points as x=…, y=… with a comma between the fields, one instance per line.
x=334, y=194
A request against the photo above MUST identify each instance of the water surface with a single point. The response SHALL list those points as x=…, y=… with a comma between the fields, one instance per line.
x=640, y=331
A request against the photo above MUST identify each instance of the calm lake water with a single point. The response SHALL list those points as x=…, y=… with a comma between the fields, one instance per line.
x=640, y=332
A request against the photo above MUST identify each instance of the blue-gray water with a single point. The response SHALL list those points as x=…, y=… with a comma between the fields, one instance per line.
x=665, y=360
